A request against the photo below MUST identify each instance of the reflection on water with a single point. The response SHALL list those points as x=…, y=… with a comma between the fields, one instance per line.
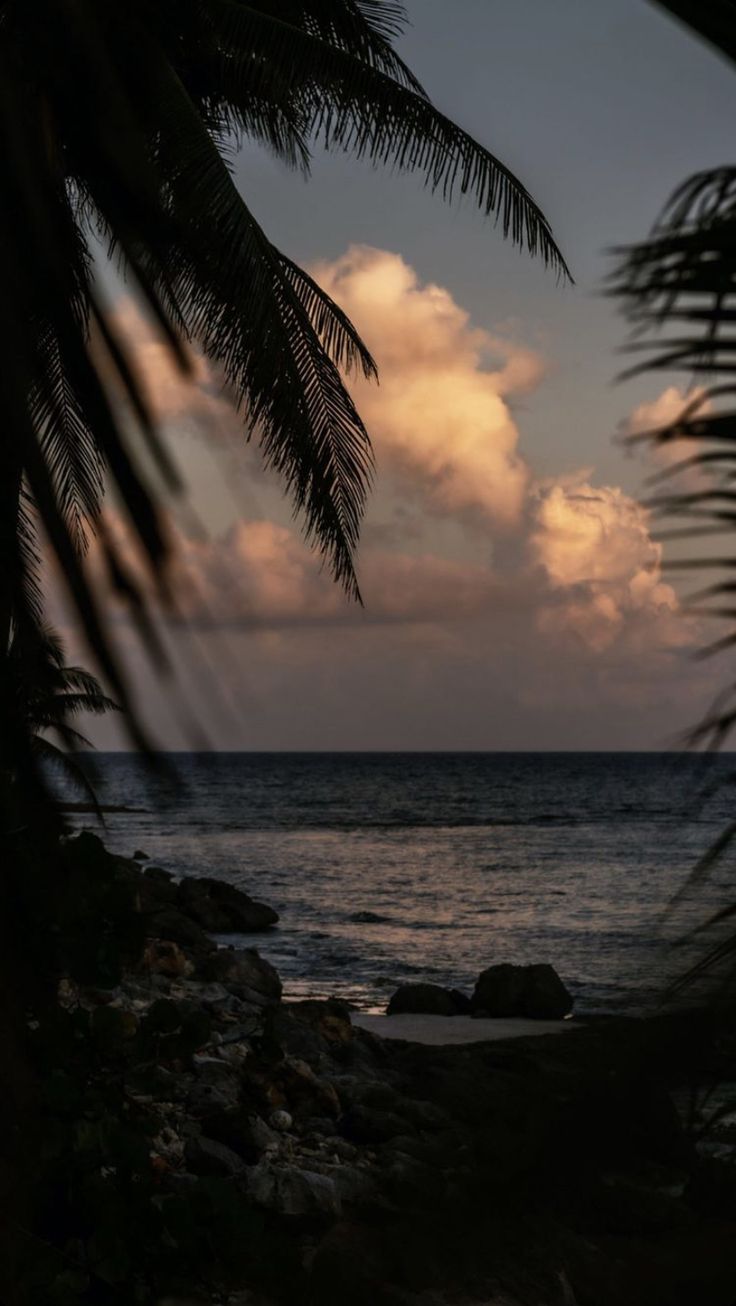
x=387, y=867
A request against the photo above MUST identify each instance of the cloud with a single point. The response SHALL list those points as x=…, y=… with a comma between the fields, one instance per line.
x=602, y=566
x=262, y=574
x=661, y=412
x=439, y=417
x=570, y=635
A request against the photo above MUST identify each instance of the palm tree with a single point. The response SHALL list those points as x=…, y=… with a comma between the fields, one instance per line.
x=117, y=122
x=48, y=694
x=680, y=283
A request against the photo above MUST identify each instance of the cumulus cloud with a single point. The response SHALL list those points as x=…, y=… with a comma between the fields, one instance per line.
x=572, y=617
x=665, y=409
x=439, y=418
x=594, y=547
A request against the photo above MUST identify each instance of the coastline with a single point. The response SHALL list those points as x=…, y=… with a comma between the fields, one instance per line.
x=391, y=1171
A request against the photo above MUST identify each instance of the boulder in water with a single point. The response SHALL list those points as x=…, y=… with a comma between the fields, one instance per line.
x=535, y=992
x=423, y=1000
x=222, y=908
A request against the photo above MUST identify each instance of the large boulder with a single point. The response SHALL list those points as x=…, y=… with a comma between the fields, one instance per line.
x=546, y=996
x=244, y=972
x=423, y=999
x=535, y=992
x=222, y=908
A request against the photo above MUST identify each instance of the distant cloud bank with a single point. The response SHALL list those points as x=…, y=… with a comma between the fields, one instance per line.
x=547, y=611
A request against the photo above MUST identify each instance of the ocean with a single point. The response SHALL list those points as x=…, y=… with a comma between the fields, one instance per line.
x=395, y=867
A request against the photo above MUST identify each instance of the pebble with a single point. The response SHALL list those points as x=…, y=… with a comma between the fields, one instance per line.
x=281, y=1120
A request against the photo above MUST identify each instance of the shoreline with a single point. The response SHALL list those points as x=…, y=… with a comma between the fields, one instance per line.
x=451, y=1031
x=402, y=1160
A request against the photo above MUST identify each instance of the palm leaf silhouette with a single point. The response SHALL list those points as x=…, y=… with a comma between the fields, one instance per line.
x=677, y=288
x=123, y=133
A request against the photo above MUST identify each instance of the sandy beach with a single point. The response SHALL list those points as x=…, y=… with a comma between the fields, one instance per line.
x=443, y=1031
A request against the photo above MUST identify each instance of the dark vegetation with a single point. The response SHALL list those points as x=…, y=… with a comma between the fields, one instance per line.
x=677, y=288
x=117, y=121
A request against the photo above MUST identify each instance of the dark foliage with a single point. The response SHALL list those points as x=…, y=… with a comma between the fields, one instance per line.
x=678, y=288
x=117, y=124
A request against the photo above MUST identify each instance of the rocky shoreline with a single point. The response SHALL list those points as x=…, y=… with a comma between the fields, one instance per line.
x=524, y=1173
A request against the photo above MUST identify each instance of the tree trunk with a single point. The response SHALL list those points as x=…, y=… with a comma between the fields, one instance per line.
x=18, y=1088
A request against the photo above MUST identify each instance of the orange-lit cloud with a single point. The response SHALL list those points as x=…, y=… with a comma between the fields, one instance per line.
x=661, y=412
x=594, y=546
x=572, y=615
x=439, y=418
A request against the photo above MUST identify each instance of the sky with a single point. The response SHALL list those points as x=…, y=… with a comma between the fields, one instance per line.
x=514, y=595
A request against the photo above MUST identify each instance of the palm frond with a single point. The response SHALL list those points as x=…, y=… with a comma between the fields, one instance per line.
x=261, y=322
x=714, y=20
x=678, y=290
x=62, y=761
x=363, y=110
x=120, y=127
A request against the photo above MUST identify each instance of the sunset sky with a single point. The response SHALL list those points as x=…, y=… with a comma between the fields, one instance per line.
x=513, y=593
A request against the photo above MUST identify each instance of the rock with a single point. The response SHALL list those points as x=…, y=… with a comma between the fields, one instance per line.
x=422, y=999
x=212, y=995
x=320, y=1127
x=206, y=1099
x=205, y=1156
x=354, y=1184
x=462, y=1002
x=535, y=992
x=168, y=1144
x=138, y=856
x=212, y=1070
x=306, y=1092
x=157, y=890
x=163, y=957
x=362, y=1124
x=365, y=1092
x=291, y=1191
x=344, y=1150
x=245, y=972
x=241, y=1030
x=546, y=997
x=499, y=991
x=281, y=1120
x=242, y=1132
x=222, y=908
x=311, y=1030
x=170, y=923
x=264, y=1138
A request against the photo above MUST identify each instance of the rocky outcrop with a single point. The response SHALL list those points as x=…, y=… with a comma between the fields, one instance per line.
x=426, y=999
x=222, y=908
x=535, y=992
x=393, y=1174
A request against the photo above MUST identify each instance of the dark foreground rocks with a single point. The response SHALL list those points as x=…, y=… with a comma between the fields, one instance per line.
x=292, y=1158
